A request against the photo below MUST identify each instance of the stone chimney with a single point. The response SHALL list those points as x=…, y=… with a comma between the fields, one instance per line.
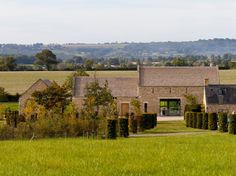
x=206, y=83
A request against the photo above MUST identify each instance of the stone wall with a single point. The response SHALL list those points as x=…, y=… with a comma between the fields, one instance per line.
x=152, y=96
x=38, y=86
x=228, y=108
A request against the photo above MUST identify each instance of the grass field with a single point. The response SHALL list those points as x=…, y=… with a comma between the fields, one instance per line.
x=202, y=154
x=15, y=82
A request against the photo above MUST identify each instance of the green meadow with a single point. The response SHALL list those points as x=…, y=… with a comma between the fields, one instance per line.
x=198, y=154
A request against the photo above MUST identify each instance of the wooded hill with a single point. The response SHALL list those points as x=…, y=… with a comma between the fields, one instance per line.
x=126, y=50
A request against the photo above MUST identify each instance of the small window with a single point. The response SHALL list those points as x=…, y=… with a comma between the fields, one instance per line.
x=145, y=107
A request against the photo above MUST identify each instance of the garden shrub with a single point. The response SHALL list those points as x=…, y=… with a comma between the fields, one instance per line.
x=191, y=119
x=223, y=122
x=187, y=118
x=23, y=131
x=111, y=128
x=232, y=124
x=194, y=119
x=199, y=120
x=7, y=132
x=205, y=121
x=124, y=127
x=192, y=108
x=150, y=120
x=212, y=121
x=141, y=124
x=133, y=124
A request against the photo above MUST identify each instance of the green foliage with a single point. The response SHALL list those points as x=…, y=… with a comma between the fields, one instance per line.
x=223, y=122
x=191, y=118
x=199, y=120
x=7, y=63
x=212, y=121
x=136, y=104
x=133, y=124
x=232, y=124
x=205, y=121
x=141, y=125
x=190, y=99
x=192, y=108
x=124, y=127
x=55, y=97
x=187, y=119
x=194, y=116
x=179, y=62
x=150, y=120
x=46, y=58
x=69, y=80
x=111, y=129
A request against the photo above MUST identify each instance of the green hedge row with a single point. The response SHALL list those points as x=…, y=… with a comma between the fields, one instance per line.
x=124, y=127
x=223, y=122
x=232, y=124
x=150, y=120
x=111, y=129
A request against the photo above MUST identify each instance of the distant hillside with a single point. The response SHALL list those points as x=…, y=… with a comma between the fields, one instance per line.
x=127, y=50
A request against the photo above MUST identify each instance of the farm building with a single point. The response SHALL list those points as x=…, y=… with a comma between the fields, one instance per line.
x=39, y=85
x=161, y=90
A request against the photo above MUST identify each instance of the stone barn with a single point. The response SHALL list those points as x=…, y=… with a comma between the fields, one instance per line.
x=161, y=90
x=39, y=85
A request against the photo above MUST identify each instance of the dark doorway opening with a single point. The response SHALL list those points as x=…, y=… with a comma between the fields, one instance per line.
x=170, y=107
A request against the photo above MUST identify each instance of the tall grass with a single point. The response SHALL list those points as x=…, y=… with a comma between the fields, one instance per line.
x=205, y=154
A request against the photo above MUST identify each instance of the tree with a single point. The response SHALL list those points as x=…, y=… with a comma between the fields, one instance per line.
x=54, y=98
x=69, y=79
x=7, y=63
x=179, y=62
x=97, y=96
x=88, y=64
x=191, y=99
x=46, y=58
x=137, y=106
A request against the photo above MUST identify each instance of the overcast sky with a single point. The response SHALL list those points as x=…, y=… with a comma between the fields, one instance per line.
x=93, y=21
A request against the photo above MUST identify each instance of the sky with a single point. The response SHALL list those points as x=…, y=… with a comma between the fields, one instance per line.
x=99, y=21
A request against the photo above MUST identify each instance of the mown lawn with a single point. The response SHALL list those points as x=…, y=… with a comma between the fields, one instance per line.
x=172, y=127
x=202, y=154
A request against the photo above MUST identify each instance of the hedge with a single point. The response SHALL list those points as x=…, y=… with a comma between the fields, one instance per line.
x=194, y=119
x=124, y=127
x=191, y=119
x=150, y=120
x=133, y=124
x=223, y=122
x=212, y=121
x=111, y=128
x=140, y=121
x=193, y=108
x=205, y=121
x=187, y=118
x=232, y=124
x=199, y=120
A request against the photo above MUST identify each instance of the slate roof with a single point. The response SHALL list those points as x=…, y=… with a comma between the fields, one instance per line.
x=177, y=76
x=120, y=87
x=220, y=94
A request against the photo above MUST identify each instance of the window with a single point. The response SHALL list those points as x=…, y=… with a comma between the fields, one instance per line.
x=145, y=107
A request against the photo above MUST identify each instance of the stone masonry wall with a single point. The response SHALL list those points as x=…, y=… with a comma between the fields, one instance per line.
x=228, y=108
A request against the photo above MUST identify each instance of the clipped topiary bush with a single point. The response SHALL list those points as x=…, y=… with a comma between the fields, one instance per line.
x=205, y=121
x=212, y=121
x=133, y=124
x=141, y=124
x=194, y=119
x=191, y=119
x=232, y=124
x=187, y=119
x=223, y=122
x=199, y=120
x=111, y=128
x=150, y=120
x=124, y=127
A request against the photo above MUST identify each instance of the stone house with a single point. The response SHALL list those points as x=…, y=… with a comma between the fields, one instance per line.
x=39, y=85
x=161, y=90
x=220, y=98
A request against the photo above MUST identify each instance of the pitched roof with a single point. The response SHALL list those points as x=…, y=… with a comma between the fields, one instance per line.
x=45, y=81
x=220, y=94
x=177, y=76
x=120, y=87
